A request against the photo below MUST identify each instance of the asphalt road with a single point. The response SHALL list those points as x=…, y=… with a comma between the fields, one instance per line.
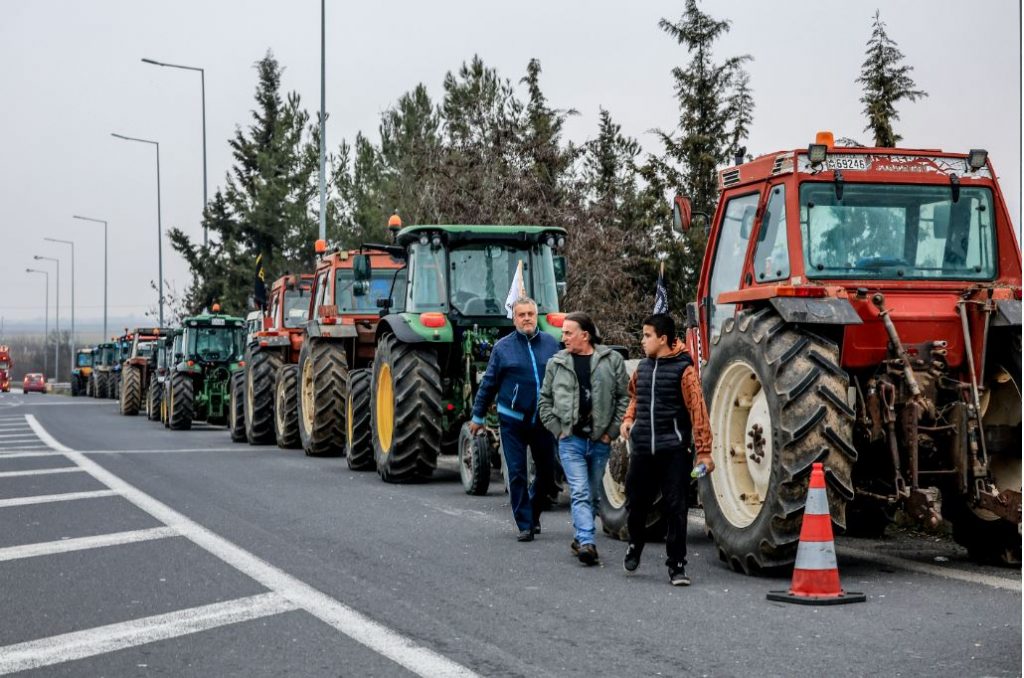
x=182, y=554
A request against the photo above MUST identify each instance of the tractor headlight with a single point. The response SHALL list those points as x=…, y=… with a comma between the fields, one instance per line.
x=976, y=159
x=424, y=240
x=816, y=153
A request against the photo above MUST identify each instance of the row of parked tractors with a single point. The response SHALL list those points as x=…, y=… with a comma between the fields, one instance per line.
x=859, y=307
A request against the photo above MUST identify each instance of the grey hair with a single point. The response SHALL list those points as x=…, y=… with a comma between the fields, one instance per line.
x=524, y=300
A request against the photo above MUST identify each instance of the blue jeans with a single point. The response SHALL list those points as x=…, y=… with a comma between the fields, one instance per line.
x=583, y=461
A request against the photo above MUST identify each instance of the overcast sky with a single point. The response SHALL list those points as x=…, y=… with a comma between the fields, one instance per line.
x=71, y=74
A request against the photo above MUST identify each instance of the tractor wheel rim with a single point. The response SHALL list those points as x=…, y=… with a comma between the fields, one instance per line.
x=739, y=409
x=614, y=492
x=385, y=408
x=307, y=394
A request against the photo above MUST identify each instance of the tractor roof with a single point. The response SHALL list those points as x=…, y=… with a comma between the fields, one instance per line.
x=478, y=232
x=208, y=319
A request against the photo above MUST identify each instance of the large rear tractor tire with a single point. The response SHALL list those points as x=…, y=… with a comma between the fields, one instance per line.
x=988, y=538
x=777, y=403
x=474, y=462
x=181, y=405
x=612, y=499
x=90, y=382
x=101, y=385
x=406, y=410
x=154, y=397
x=131, y=390
x=286, y=407
x=323, y=374
x=236, y=408
x=114, y=385
x=358, y=440
x=260, y=372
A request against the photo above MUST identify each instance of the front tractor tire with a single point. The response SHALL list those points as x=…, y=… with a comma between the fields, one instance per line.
x=323, y=373
x=260, y=373
x=406, y=410
x=612, y=495
x=131, y=390
x=181, y=402
x=236, y=410
x=776, y=399
x=358, y=440
x=474, y=462
x=154, y=397
x=286, y=407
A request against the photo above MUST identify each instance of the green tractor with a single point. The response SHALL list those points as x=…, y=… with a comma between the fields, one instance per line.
x=430, y=357
x=80, y=372
x=105, y=372
x=206, y=353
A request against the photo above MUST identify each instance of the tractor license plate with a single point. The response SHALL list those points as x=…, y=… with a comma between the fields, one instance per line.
x=846, y=162
x=217, y=321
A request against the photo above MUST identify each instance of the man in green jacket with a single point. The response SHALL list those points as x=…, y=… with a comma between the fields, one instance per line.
x=582, y=402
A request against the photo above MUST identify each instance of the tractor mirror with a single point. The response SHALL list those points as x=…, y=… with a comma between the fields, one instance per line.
x=682, y=214
x=692, y=315
x=360, y=288
x=361, y=268
x=560, y=268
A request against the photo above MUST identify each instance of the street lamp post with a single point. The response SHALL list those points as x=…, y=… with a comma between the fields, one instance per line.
x=46, y=313
x=98, y=221
x=202, y=81
x=56, y=345
x=73, y=336
x=159, y=224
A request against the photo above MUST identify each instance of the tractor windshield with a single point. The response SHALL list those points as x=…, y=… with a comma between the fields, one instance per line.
x=106, y=356
x=215, y=343
x=83, y=360
x=379, y=288
x=905, y=231
x=428, y=284
x=146, y=348
x=296, y=305
x=481, y=276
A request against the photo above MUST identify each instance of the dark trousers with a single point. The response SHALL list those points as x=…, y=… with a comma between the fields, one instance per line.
x=647, y=474
x=528, y=499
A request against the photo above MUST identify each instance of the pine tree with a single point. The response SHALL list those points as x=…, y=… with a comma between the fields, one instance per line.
x=886, y=80
x=703, y=139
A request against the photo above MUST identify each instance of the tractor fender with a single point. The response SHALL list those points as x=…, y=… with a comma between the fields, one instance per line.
x=407, y=330
x=1008, y=313
x=817, y=311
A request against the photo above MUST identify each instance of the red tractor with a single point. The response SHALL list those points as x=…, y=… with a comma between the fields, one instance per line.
x=860, y=307
x=138, y=368
x=254, y=390
x=5, y=369
x=350, y=291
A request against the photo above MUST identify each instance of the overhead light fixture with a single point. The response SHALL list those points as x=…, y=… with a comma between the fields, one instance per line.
x=977, y=158
x=816, y=153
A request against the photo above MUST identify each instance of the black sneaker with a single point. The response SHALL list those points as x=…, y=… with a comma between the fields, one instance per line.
x=632, y=559
x=588, y=554
x=525, y=535
x=575, y=548
x=677, y=575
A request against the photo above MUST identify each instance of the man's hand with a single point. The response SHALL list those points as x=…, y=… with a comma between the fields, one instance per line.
x=606, y=439
x=625, y=428
x=707, y=461
x=475, y=428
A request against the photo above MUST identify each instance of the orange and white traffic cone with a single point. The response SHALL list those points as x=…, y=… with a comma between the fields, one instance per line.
x=816, y=574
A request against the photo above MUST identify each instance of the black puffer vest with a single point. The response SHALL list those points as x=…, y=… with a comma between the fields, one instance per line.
x=662, y=423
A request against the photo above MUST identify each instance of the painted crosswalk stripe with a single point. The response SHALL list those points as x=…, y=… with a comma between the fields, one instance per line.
x=383, y=640
x=49, y=548
x=113, y=637
x=41, y=471
x=48, y=498
x=43, y=452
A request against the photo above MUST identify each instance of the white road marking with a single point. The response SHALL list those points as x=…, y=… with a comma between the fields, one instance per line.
x=29, y=452
x=910, y=565
x=47, y=498
x=49, y=548
x=102, y=639
x=237, y=448
x=379, y=638
x=42, y=471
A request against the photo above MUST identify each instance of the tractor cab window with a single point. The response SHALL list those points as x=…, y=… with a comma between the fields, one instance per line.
x=427, y=280
x=296, y=305
x=730, y=252
x=145, y=349
x=897, y=232
x=214, y=343
x=82, y=359
x=481, y=276
x=771, y=258
x=379, y=288
x=543, y=284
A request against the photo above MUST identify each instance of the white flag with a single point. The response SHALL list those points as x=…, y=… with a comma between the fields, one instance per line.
x=517, y=290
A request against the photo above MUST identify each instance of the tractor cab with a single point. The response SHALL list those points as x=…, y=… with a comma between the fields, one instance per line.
x=209, y=349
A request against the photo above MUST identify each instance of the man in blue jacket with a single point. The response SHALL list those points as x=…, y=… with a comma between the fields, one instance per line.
x=513, y=378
